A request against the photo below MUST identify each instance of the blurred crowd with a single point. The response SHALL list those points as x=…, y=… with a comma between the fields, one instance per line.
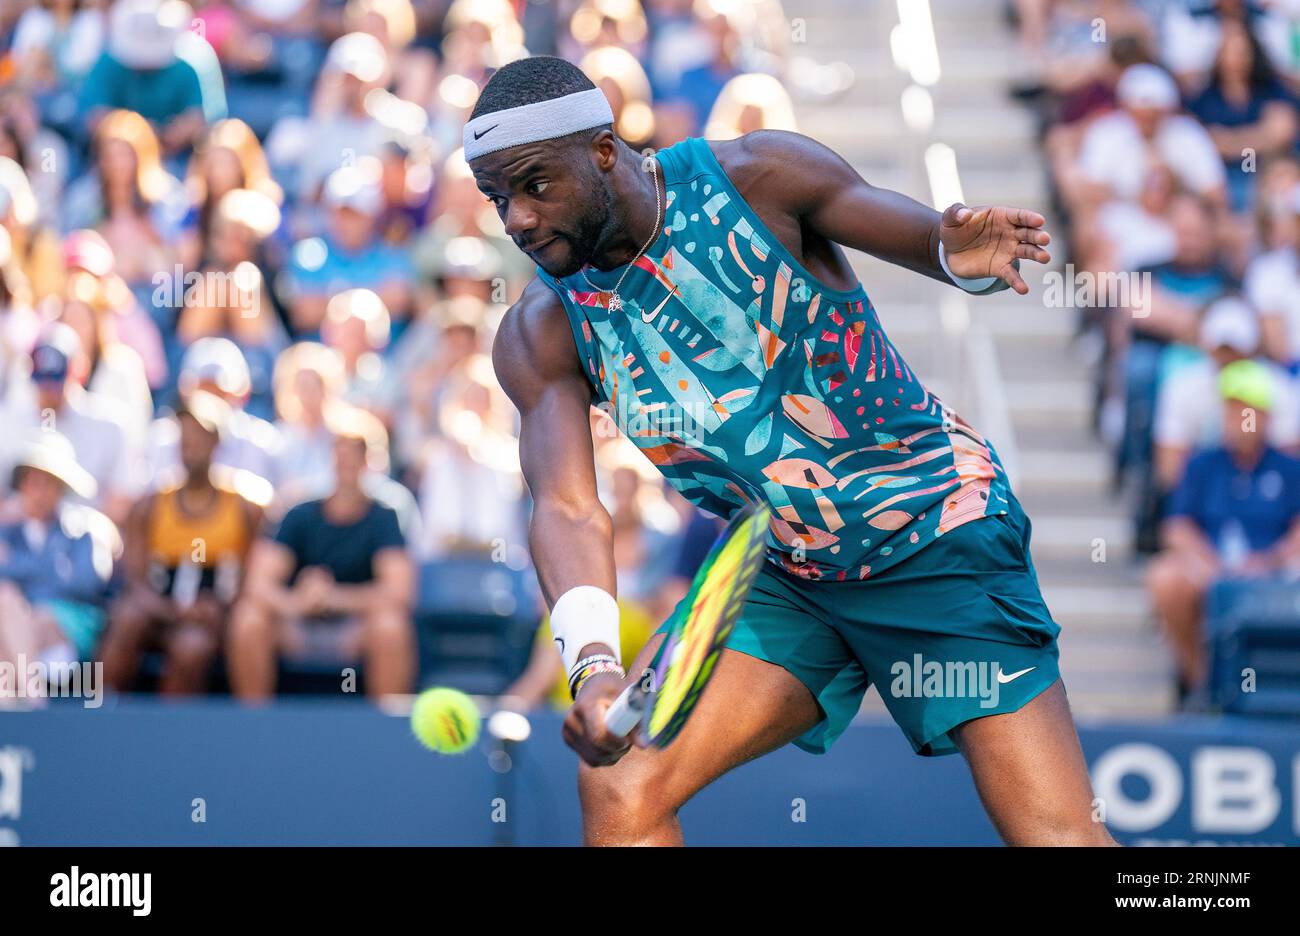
x=1173, y=138
x=248, y=287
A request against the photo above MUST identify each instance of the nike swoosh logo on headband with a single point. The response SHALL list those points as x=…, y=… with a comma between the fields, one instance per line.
x=486, y=132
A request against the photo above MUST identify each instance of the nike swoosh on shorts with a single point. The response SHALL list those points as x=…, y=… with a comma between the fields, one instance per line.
x=1007, y=677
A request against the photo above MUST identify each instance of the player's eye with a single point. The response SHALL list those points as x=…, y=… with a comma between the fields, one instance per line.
x=536, y=187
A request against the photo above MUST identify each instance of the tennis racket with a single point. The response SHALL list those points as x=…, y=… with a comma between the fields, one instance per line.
x=664, y=697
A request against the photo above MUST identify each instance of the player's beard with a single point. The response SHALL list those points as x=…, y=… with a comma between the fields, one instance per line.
x=592, y=225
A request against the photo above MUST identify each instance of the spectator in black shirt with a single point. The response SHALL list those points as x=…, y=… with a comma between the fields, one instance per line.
x=333, y=584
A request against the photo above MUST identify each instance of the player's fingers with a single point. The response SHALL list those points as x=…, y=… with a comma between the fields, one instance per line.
x=1033, y=236
x=1012, y=278
x=593, y=722
x=575, y=736
x=956, y=215
x=1023, y=217
x=1030, y=252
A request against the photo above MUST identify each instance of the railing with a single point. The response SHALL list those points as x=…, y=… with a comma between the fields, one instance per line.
x=969, y=359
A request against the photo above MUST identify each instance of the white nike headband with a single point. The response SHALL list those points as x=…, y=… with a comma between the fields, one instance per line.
x=541, y=120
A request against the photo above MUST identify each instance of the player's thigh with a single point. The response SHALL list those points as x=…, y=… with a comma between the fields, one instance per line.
x=1030, y=772
x=751, y=707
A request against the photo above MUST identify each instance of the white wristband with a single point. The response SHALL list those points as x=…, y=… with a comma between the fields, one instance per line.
x=982, y=286
x=584, y=615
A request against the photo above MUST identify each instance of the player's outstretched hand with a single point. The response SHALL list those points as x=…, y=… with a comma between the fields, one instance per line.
x=987, y=241
x=584, y=726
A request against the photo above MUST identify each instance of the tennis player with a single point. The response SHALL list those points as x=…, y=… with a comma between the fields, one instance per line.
x=702, y=296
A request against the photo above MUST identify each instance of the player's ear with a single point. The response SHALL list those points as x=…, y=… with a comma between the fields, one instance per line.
x=604, y=149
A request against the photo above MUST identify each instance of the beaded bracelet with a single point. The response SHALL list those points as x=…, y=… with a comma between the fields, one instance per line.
x=587, y=667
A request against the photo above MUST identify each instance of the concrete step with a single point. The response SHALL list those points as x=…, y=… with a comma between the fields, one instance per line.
x=1107, y=697
x=1044, y=401
x=1027, y=421
x=1005, y=315
x=1080, y=537
x=1100, y=611
x=1060, y=440
x=1037, y=358
x=1113, y=655
x=1083, y=468
x=1042, y=505
x=859, y=131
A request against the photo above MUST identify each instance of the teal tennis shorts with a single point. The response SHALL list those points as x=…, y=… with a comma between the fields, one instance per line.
x=954, y=632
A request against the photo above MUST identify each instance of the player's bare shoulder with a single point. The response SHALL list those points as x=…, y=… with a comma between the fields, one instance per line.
x=777, y=168
x=534, y=345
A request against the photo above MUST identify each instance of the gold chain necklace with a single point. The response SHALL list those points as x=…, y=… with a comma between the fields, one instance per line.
x=615, y=300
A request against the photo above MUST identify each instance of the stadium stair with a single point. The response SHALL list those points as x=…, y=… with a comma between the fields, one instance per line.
x=1112, y=656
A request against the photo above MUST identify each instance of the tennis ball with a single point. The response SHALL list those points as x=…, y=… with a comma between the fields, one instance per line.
x=445, y=720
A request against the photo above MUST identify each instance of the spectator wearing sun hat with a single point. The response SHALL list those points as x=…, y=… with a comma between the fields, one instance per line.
x=55, y=557
x=1236, y=513
x=155, y=66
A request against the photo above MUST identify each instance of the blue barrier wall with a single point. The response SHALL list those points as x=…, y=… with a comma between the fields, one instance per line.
x=329, y=772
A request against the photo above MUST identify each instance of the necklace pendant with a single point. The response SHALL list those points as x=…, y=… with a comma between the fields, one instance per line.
x=615, y=303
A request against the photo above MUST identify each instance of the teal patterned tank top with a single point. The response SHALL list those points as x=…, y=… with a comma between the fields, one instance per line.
x=742, y=377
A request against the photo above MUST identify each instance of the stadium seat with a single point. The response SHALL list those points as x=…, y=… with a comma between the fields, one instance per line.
x=1254, y=625
x=476, y=620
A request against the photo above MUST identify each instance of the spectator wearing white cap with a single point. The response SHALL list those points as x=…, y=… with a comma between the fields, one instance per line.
x=350, y=255
x=249, y=447
x=1187, y=415
x=55, y=398
x=1120, y=148
x=340, y=131
x=1273, y=286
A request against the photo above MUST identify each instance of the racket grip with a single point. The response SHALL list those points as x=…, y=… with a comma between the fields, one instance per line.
x=625, y=711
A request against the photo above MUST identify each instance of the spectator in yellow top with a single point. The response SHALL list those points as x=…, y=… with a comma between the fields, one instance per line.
x=186, y=547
